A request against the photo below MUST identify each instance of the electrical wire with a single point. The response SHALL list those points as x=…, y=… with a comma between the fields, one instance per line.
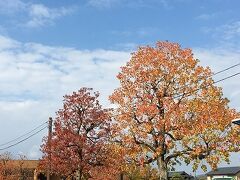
x=1, y=149
x=223, y=79
x=238, y=64
x=218, y=72
x=228, y=77
x=23, y=135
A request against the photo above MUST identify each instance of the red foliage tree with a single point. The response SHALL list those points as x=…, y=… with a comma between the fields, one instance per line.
x=79, y=145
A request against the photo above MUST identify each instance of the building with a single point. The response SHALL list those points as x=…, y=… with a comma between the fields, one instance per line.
x=24, y=169
x=179, y=175
x=224, y=173
x=201, y=177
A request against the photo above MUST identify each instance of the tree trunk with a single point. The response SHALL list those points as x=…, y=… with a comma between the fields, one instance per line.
x=121, y=176
x=162, y=168
x=79, y=174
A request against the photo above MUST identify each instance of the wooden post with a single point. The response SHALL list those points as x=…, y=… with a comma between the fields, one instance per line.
x=49, y=144
x=121, y=176
x=35, y=175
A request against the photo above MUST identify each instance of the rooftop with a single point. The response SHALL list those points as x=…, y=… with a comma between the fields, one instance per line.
x=29, y=164
x=225, y=171
x=177, y=173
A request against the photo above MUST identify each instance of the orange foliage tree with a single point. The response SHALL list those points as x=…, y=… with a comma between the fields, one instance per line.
x=169, y=109
x=79, y=143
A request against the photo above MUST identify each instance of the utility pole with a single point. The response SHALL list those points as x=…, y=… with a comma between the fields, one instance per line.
x=49, y=144
x=121, y=176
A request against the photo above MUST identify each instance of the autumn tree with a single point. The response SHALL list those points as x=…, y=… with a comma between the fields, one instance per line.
x=22, y=172
x=6, y=167
x=134, y=172
x=11, y=169
x=79, y=146
x=168, y=109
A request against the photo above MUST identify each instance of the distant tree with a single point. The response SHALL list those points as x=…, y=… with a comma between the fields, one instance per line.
x=6, y=167
x=21, y=171
x=147, y=172
x=170, y=110
x=12, y=169
x=79, y=146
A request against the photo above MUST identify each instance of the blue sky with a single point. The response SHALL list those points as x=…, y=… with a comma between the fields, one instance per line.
x=111, y=24
x=51, y=48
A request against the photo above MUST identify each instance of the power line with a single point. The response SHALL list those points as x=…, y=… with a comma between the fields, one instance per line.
x=23, y=139
x=218, y=72
x=228, y=77
x=238, y=64
x=223, y=79
x=23, y=135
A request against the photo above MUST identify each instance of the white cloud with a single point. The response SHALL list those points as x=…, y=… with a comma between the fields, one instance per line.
x=33, y=15
x=207, y=16
x=140, y=32
x=34, y=78
x=42, y=70
x=126, y=46
x=11, y=6
x=34, y=153
x=227, y=34
x=7, y=43
x=103, y=3
x=41, y=15
x=231, y=30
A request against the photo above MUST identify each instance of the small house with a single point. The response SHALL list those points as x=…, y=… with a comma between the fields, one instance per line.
x=179, y=175
x=224, y=173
